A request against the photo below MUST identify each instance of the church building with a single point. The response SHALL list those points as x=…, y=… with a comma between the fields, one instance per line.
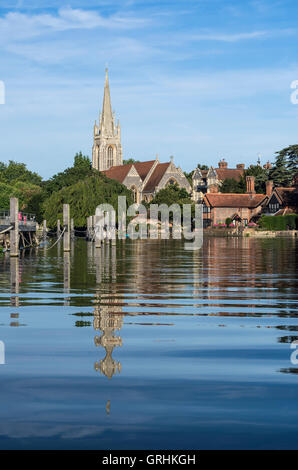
x=144, y=179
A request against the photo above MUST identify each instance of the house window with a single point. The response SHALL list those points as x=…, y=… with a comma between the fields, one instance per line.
x=172, y=181
x=110, y=156
x=273, y=207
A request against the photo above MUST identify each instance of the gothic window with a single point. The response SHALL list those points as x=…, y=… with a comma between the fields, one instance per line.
x=172, y=181
x=110, y=156
x=134, y=193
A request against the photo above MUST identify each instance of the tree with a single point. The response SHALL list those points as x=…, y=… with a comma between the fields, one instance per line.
x=83, y=197
x=291, y=155
x=15, y=171
x=280, y=173
x=80, y=170
x=172, y=194
x=230, y=185
x=261, y=176
x=203, y=167
x=129, y=161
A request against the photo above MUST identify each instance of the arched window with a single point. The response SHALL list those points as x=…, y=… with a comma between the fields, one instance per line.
x=110, y=156
x=134, y=193
x=171, y=181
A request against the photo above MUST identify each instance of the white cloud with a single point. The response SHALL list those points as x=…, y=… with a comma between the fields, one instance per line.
x=20, y=26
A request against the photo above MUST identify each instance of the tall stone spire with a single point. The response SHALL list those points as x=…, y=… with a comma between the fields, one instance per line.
x=107, y=149
x=107, y=115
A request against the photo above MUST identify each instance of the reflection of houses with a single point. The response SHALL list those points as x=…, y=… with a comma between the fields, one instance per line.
x=108, y=320
x=209, y=181
x=281, y=201
x=243, y=208
x=145, y=179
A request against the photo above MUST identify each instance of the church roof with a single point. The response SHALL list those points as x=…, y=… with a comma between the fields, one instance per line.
x=118, y=173
x=143, y=168
x=234, y=200
x=156, y=176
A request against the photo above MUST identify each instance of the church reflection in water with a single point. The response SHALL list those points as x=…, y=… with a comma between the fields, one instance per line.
x=108, y=318
x=108, y=323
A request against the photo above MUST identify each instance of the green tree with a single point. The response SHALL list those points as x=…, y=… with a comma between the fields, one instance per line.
x=129, y=161
x=291, y=155
x=80, y=170
x=280, y=173
x=172, y=194
x=83, y=198
x=261, y=176
x=15, y=171
x=230, y=185
x=202, y=167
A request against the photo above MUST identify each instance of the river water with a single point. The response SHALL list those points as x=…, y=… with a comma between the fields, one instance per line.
x=148, y=346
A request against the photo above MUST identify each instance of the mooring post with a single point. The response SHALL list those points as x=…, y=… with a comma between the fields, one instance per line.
x=14, y=221
x=58, y=228
x=14, y=281
x=44, y=230
x=88, y=233
x=66, y=227
x=98, y=231
x=72, y=232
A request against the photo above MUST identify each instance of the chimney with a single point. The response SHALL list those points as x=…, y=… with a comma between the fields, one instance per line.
x=222, y=164
x=267, y=166
x=250, y=184
x=269, y=188
x=240, y=166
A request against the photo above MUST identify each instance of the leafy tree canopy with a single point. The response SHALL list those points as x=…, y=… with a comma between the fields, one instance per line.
x=80, y=170
x=281, y=173
x=83, y=198
x=230, y=185
x=172, y=194
x=202, y=167
x=129, y=161
x=15, y=171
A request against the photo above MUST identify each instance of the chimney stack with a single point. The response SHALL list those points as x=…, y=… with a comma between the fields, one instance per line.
x=250, y=184
x=222, y=164
x=269, y=188
x=240, y=166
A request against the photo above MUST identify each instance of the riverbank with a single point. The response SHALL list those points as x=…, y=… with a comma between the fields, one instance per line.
x=250, y=232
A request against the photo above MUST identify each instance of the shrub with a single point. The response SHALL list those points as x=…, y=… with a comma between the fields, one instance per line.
x=279, y=222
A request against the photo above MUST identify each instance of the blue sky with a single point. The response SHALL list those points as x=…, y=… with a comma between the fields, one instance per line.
x=197, y=79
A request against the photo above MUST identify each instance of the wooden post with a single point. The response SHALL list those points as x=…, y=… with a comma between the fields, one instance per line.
x=14, y=281
x=66, y=225
x=72, y=231
x=44, y=230
x=88, y=233
x=14, y=221
x=58, y=228
x=98, y=231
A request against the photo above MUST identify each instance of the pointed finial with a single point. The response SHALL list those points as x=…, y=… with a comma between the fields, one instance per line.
x=156, y=157
x=172, y=158
x=106, y=72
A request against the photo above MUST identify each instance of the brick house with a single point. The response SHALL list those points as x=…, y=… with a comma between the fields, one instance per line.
x=244, y=208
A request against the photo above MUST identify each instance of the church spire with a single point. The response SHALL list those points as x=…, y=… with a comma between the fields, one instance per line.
x=107, y=116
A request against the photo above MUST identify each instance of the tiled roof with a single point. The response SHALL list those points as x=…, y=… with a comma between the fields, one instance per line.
x=118, y=173
x=283, y=193
x=156, y=176
x=143, y=168
x=224, y=173
x=234, y=200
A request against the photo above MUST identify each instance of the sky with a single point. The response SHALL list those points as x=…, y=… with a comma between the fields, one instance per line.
x=197, y=79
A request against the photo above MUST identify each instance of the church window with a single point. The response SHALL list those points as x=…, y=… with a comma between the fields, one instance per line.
x=134, y=193
x=110, y=156
x=172, y=181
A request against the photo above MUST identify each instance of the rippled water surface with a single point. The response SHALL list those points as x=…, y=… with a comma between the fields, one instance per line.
x=146, y=345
